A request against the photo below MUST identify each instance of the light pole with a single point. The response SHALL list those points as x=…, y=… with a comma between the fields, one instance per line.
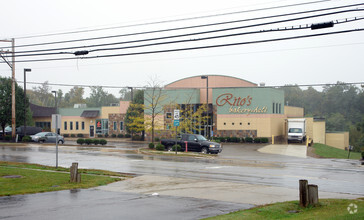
x=131, y=93
x=55, y=103
x=207, y=102
x=25, y=98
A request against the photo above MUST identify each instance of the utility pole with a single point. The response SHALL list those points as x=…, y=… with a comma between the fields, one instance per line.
x=13, y=122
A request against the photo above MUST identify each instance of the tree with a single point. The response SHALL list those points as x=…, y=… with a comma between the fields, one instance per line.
x=41, y=95
x=134, y=118
x=5, y=104
x=74, y=96
x=99, y=97
x=153, y=99
x=192, y=117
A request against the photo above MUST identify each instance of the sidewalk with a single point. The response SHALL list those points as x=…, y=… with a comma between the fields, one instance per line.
x=287, y=150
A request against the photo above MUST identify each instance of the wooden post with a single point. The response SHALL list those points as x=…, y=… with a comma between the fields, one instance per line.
x=313, y=198
x=75, y=177
x=303, y=185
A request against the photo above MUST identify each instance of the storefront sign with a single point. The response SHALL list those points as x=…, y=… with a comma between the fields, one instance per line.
x=239, y=105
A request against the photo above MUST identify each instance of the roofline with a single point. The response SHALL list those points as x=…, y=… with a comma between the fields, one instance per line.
x=210, y=75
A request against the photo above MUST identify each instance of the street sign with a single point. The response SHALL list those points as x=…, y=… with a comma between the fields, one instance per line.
x=58, y=118
x=176, y=114
x=176, y=123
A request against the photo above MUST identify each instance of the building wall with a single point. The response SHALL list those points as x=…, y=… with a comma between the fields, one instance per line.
x=319, y=134
x=338, y=140
x=116, y=118
x=74, y=120
x=293, y=112
x=106, y=110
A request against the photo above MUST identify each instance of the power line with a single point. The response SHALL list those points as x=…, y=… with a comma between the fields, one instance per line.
x=198, y=48
x=146, y=87
x=290, y=28
x=180, y=28
x=174, y=20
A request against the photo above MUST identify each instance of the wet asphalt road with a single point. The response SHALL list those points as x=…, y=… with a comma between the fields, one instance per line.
x=239, y=164
x=97, y=204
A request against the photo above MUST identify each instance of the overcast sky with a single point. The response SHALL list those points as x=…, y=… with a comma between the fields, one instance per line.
x=314, y=60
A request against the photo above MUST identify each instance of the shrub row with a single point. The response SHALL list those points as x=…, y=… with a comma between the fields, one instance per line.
x=240, y=140
x=88, y=141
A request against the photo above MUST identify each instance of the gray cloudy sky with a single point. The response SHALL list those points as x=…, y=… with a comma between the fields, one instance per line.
x=325, y=59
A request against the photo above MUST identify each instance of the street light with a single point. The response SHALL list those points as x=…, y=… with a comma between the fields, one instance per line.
x=131, y=93
x=25, y=97
x=207, y=102
x=55, y=103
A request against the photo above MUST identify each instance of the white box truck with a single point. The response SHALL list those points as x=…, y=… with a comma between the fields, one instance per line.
x=296, y=130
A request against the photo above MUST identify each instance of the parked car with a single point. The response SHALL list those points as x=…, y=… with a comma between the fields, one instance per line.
x=47, y=137
x=7, y=131
x=194, y=142
x=30, y=130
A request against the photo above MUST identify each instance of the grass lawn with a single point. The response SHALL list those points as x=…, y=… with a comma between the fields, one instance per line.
x=323, y=150
x=328, y=209
x=37, y=178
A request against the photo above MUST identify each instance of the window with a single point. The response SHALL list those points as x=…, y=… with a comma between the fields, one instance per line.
x=76, y=125
x=224, y=123
x=102, y=126
x=169, y=115
x=273, y=108
x=65, y=125
x=121, y=125
x=277, y=108
x=233, y=123
x=115, y=126
x=280, y=108
x=83, y=125
x=241, y=123
x=71, y=125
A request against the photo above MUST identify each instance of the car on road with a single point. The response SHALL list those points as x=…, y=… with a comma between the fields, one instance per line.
x=194, y=142
x=47, y=137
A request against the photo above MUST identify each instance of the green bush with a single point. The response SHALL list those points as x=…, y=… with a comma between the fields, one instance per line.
x=103, y=142
x=257, y=140
x=249, y=140
x=156, y=139
x=160, y=147
x=7, y=137
x=151, y=146
x=264, y=140
x=113, y=135
x=96, y=141
x=26, y=139
x=136, y=138
x=88, y=141
x=99, y=136
x=106, y=135
x=242, y=140
x=120, y=135
x=178, y=147
x=66, y=135
x=80, y=141
x=222, y=139
x=80, y=135
x=73, y=135
x=127, y=136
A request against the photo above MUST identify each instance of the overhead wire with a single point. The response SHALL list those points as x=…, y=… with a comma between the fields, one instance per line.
x=144, y=87
x=175, y=20
x=186, y=27
x=200, y=47
x=288, y=28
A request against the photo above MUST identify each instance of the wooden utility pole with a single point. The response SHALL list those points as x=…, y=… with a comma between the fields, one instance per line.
x=13, y=115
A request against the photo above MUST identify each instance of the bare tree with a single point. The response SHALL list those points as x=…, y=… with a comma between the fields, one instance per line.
x=153, y=100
